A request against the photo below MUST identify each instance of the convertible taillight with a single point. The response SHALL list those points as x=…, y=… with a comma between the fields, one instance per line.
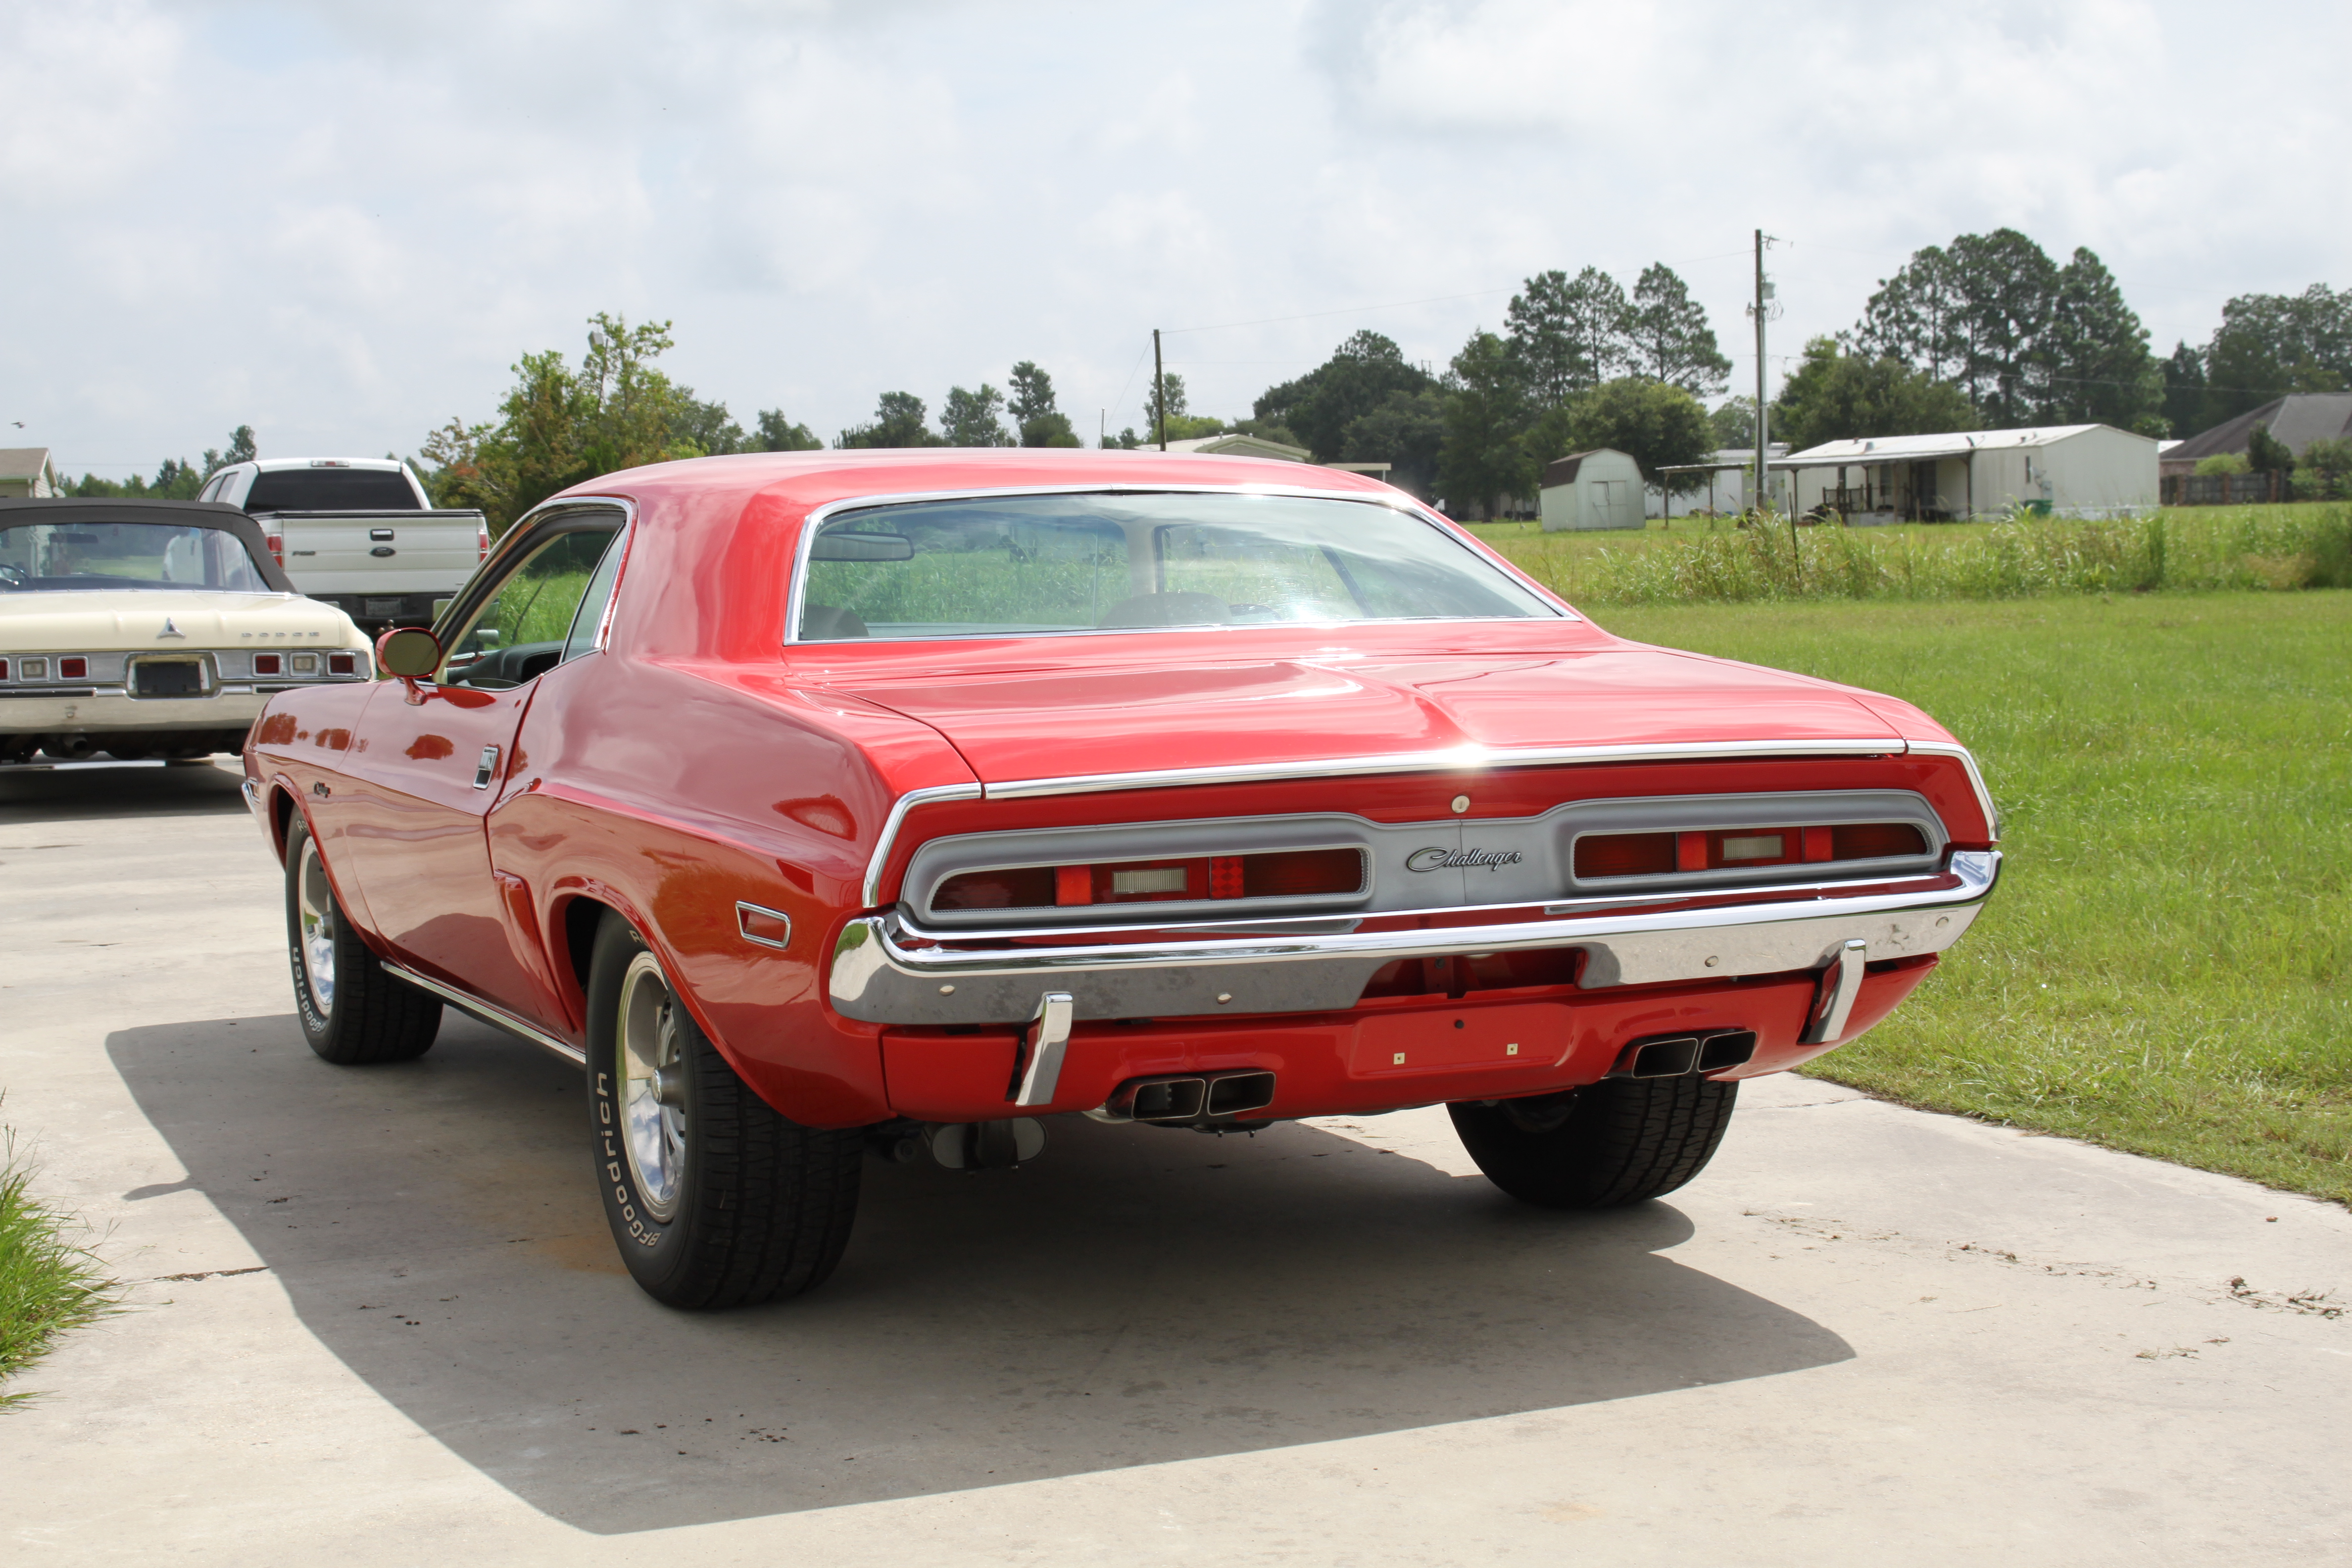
x=73, y=669
x=268, y=663
x=1602, y=855
x=342, y=663
x=1277, y=874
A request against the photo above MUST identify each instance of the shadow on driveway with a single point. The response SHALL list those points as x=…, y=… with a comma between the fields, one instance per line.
x=1136, y=1296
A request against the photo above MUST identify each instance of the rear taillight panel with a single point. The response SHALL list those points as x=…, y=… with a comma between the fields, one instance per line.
x=1281, y=874
x=1603, y=856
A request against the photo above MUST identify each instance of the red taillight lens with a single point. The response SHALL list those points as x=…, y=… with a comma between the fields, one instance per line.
x=73, y=669
x=1280, y=874
x=1301, y=873
x=1027, y=887
x=277, y=543
x=1735, y=848
x=1876, y=840
x=482, y=541
x=4, y=670
x=268, y=663
x=342, y=664
x=1624, y=854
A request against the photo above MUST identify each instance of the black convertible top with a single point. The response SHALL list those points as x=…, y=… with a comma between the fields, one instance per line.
x=170, y=513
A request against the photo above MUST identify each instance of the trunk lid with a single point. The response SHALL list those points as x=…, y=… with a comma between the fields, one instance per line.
x=1034, y=725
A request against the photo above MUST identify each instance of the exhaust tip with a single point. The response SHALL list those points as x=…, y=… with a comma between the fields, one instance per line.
x=1732, y=1048
x=1239, y=1093
x=1189, y=1101
x=1673, y=1056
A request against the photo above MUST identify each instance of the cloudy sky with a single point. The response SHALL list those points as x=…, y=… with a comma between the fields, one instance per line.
x=341, y=223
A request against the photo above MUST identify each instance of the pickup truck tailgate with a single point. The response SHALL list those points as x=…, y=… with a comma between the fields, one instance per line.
x=402, y=552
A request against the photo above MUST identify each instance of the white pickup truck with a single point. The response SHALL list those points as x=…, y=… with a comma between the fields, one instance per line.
x=357, y=533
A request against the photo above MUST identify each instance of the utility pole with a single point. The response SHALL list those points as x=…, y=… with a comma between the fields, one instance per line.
x=1763, y=427
x=1160, y=388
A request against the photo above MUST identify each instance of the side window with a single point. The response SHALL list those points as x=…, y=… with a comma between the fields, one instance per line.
x=591, y=615
x=520, y=631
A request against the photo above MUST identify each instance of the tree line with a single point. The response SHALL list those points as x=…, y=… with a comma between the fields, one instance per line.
x=1984, y=332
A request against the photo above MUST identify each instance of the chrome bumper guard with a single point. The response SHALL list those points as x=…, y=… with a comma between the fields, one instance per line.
x=888, y=971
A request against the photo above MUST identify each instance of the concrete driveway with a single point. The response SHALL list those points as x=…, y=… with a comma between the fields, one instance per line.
x=378, y=1320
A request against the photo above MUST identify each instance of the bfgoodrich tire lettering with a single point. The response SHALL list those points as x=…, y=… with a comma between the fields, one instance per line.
x=715, y=1200
x=354, y=1011
x=1616, y=1141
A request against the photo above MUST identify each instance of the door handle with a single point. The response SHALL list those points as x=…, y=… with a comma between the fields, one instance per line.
x=487, y=766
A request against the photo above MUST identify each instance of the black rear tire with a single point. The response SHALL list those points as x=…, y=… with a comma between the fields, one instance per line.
x=1617, y=1142
x=715, y=1199
x=354, y=1011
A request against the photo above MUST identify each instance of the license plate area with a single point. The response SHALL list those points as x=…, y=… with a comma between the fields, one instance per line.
x=170, y=677
x=1521, y=1034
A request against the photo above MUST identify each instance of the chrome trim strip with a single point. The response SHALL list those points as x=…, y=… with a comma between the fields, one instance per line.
x=744, y=930
x=1394, y=502
x=1455, y=759
x=1976, y=779
x=491, y=1013
x=875, y=978
x=898, y=810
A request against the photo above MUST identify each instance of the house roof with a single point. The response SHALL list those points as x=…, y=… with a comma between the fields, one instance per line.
x=1562, y=470
x=2298, y=420
x=1917, y=449
x=23, y=462
x=1234, y=445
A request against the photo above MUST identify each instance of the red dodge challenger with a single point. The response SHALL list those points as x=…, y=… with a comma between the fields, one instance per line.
x=822, y=804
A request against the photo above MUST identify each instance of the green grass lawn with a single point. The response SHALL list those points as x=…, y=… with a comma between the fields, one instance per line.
x=2163, y=967
x=48, y=1283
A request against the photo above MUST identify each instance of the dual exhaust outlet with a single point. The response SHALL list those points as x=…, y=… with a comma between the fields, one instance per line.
x=1188, y=1099
x=1679, y=1056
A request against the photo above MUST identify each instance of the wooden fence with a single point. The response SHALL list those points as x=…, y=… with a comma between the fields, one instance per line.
x=2222, y=490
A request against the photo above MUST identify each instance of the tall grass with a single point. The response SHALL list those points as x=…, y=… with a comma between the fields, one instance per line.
x=2165, y=966
x=2198, y=549
x=49, y=1283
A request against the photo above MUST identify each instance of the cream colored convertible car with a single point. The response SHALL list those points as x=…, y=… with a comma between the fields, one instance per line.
x=151, y=628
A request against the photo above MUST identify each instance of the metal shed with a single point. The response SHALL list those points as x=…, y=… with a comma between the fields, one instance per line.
x=2073, y=470
x=1600, y=488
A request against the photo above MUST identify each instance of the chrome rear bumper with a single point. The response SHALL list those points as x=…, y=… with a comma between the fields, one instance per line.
x=886, y=971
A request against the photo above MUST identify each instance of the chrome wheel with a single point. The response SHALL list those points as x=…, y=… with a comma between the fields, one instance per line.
x=653, y=1085
x=314, y=945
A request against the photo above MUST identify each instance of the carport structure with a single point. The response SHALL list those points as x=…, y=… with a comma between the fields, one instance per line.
x=2074, y=470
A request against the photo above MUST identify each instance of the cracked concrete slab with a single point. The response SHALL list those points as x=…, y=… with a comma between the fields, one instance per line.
x=376, y=1319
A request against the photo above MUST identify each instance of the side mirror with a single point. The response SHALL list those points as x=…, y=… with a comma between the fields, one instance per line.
x=408, y=652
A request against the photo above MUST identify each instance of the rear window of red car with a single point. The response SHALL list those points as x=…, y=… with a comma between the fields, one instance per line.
x=1040, y=564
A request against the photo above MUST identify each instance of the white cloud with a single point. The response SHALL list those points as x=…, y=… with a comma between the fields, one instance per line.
x=342, y=222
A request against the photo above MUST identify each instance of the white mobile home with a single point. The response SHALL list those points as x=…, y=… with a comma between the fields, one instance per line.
x=1600, y=488
x=2073, y=470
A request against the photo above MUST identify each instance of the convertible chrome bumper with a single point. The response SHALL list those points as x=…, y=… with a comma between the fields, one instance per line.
x=888, y=971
